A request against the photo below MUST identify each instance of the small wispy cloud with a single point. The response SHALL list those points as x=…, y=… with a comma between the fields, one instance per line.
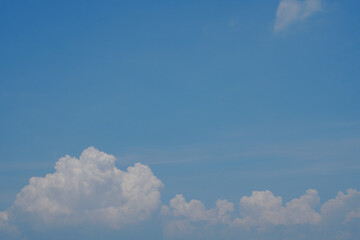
x=291, y=11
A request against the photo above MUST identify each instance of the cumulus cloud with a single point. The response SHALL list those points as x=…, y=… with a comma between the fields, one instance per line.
x=195, y=210
x=184, y=218
x=343, y=208
x=260, y=209
x=291, y=11
x=90, y=190
x=263, y=208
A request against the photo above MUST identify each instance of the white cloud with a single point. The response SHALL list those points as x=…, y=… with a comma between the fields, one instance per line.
x=343, y=208
x=263, y=208
x=291, y=11
x=195, y=210
x=186, y=219
x=260, y=209
x=92, y=190
x=3, y=219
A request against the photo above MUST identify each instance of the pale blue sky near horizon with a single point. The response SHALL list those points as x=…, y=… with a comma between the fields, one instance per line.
x=204, y=92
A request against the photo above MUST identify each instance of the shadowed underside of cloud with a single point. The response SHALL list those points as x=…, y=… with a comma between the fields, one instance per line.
x=92, y=191
x=292, y=11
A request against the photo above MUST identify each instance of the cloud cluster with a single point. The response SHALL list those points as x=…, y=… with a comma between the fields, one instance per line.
x=195, y=210
x=263, y=210
x=92, y=190
x=345, y=207
x=291, y=11
x=260, y=209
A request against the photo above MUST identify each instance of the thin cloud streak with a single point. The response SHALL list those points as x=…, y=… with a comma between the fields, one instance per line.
x=316, y=156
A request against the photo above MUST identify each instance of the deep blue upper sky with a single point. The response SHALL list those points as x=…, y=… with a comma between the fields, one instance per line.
x=205, y=92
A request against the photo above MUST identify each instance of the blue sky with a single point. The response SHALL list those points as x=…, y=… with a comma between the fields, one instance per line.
x=219, y=99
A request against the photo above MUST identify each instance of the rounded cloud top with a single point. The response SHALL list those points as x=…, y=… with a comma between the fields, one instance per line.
x=90, y=189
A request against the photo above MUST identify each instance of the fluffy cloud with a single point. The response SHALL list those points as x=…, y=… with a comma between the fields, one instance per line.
x=260, y=209
x=263, y=208
x=195, y=210
x=343, y=208
x=91, y=190
x=185, y=219
x=290, y=11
